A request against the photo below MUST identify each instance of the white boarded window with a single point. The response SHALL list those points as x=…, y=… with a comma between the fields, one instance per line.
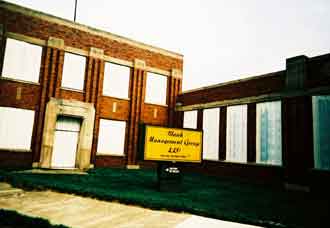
x=16, y=126
x=269, y=133
x=73, y=71
x=116, y=80
x=211, y=120
x=156, y=89
x=236, y=147
x=111, y=140
x=321, y=126
x=22, y=61
x=190, y=119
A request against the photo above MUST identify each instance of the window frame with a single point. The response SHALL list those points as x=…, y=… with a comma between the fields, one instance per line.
x=110, y=153
x=20, y=79
x=109, y=76
x=218, y=133
x=245, y=147
x=155, y=75
x=84, y=72
x=258, y=142
x=32, y=125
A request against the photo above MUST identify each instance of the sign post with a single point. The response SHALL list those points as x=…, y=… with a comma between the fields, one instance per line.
x=169, y=147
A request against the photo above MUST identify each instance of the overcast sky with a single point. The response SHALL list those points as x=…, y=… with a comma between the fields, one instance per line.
x=221, y=40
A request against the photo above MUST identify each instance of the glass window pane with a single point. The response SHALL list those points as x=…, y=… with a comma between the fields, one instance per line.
x=156, y=89
x=269, y=133
x=73, y=71
x=16, y=126
x=211, y=122
x=111, y=138
x=116, y=80
x=236, y=139
x=321, y=126
x=190, y=119
x=22, y=61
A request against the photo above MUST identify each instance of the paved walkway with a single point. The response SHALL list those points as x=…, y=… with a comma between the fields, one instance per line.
x=76, y=211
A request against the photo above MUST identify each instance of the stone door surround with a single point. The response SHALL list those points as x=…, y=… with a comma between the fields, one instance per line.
x=60, y=107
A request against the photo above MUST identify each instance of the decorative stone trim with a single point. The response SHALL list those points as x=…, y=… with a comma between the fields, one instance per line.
x=96, y=53
x=35, y=164
x=24, y=38
x=176, y=73
x=158, y=71
x=55, y=43
x=132, y=167
x=139, y=64
x=86, y=112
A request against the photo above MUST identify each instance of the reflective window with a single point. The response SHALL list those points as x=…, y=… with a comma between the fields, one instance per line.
x=321, y=126
x=22, y=61
x=116, y=80
x=236, y=147
x=269, y=133
x=156, y=89
x=73, y=71
x=16, y=126
x=111, y=140
x=211, y=122
x=190, y=119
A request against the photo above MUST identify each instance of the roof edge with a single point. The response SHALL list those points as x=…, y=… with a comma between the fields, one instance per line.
x=66, y=22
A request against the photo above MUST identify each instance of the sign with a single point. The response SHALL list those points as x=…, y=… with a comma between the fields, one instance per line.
x=172, y=144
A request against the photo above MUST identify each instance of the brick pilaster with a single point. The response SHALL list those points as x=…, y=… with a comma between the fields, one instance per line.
x=137, y=92
x=96, y=88
x=222, y=133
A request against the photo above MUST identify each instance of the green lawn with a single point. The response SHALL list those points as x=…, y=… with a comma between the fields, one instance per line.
x=11, y=219
x=222, y=198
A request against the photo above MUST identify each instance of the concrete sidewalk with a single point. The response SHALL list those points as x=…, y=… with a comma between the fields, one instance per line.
x=76, y=211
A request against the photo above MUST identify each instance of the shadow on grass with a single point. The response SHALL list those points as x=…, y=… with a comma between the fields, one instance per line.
x=220, y=198
x=11, y=219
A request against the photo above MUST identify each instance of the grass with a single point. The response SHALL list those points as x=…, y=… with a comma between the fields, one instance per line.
x=11, y=219
x=221, y=198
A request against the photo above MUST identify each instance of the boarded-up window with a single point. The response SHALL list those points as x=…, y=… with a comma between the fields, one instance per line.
x=269, y=133
x=321, y=126
x=156, y=89
x=73, y=71
x=116, y=80
x=16, y=127
x=211, y=122
x=236, y=147
x=190, y=119
x=22, y=61
x=111, y=140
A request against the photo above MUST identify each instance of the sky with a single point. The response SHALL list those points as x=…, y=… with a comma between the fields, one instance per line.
x=221, y=40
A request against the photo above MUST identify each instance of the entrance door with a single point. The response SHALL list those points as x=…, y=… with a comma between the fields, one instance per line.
x=65, y=142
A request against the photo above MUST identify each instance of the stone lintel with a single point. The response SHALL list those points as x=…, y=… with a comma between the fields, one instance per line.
x=176, y=73
x=139, y=64
x=55, y=42
x=96, y=53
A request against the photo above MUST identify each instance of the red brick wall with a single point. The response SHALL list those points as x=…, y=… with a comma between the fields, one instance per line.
x=34, y=27
x=269, y=83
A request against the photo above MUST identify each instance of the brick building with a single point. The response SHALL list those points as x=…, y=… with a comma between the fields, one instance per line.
x=68, y=85
x=66, y=82
x=272, y=127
